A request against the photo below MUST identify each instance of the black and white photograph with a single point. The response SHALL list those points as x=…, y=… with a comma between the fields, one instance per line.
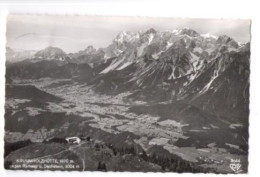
x=127, y=94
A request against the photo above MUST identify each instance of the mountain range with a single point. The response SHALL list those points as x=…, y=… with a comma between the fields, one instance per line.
x=211, y=72
x=170, y=97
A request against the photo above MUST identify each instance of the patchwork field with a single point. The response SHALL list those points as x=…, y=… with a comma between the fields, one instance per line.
x=82, y=111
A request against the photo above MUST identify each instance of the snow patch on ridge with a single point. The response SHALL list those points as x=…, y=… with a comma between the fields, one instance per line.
x=112, y=66
x=140, y=50
x=156, y=55
x=151, y=36
x=198, y=49
x=207, y=35
x=124, y=65
x=176, y=32
x=169, y=44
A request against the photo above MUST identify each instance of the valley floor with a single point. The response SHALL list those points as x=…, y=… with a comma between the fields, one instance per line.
x=112, y=120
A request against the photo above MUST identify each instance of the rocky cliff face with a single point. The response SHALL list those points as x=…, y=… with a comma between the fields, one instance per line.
x=211, y=72
x=204, y=70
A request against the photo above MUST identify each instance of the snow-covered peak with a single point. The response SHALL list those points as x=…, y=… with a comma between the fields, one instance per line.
x=207, y=35
x=123, y=36
x=176, y=32
x=240, y=44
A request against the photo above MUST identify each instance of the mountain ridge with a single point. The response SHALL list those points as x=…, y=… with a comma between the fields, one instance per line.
x=170, y=65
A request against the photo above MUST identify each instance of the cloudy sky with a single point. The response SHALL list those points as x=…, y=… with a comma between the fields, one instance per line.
x=74, y=33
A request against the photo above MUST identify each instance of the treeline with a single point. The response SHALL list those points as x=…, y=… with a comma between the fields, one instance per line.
x=56, y=140
x=170, y=162
x=9, y=147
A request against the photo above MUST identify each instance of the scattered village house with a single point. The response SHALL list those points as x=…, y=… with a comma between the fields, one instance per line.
x=73, y=140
